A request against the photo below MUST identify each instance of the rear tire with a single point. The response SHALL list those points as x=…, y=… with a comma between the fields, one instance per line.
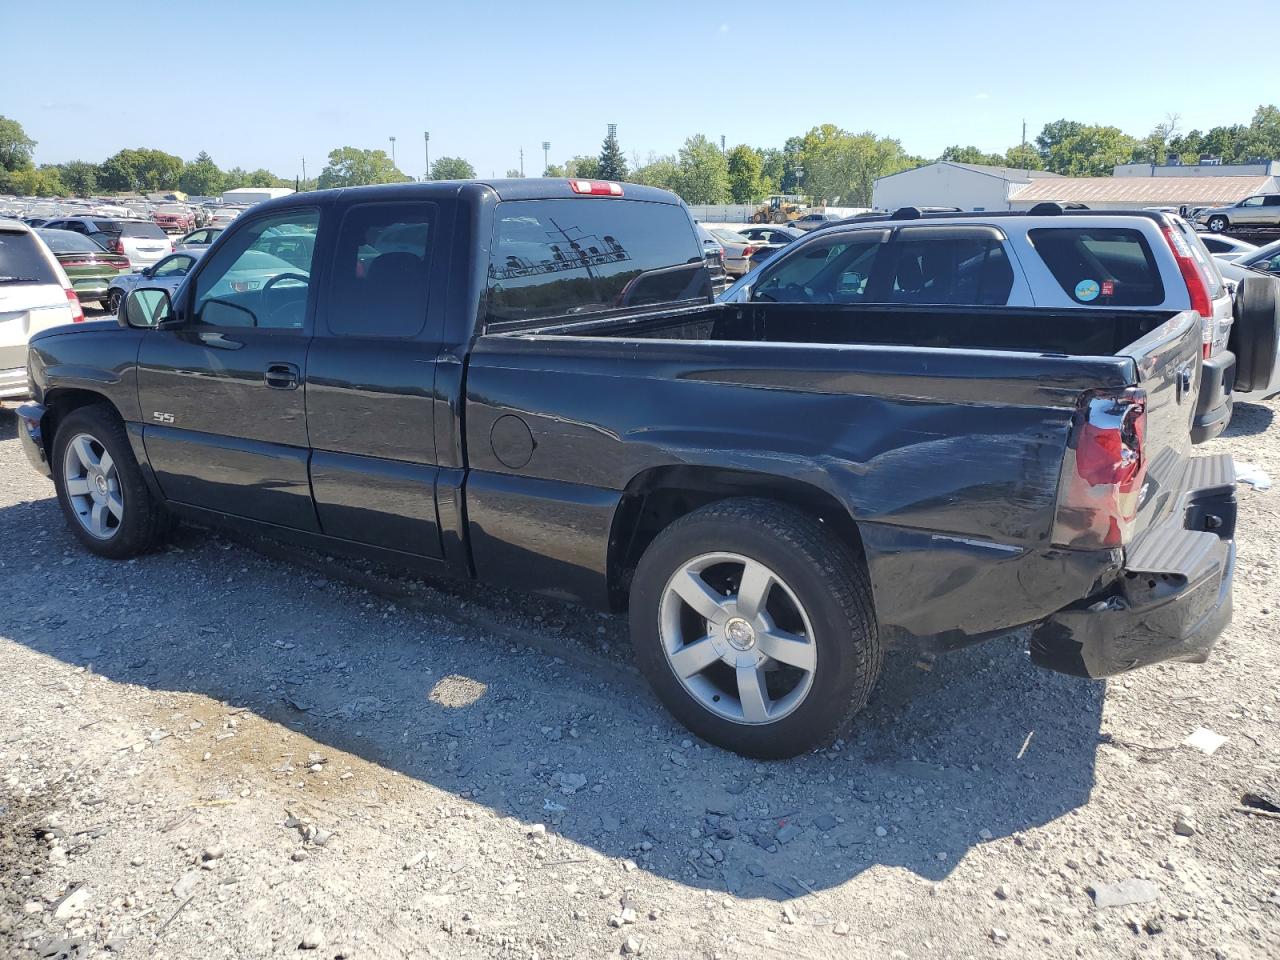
x=113, y=301
x=814, y=612
x=1255, y=334
x=1217, y=224
x=100, y=486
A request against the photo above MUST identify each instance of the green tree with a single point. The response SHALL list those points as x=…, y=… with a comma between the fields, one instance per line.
x=347, y=167
x=792, y=165
x=80, y=177
x=16, y=148
x=1023, y=157
x=702, y=174
x=612, y=164
x=554, y=170
x=770, y=167
x=513, y=173
x=658, y=171
x=970, y=154
x=201, y=177
x=32, y=182
x=1262, y=140
x=745, y=169
x=142, y=170
x=265, y=178
x=587, y=168
x=1053, y=134
x=1093, y=151
x=840, y=167
x=452, y=168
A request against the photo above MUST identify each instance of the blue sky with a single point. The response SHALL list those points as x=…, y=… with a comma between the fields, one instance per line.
x=263, y=84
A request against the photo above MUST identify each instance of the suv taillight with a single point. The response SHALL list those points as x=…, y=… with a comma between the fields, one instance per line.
x=1197, y=286
x=748, y=252
x=77, y=311
x=1103, y=471
x=117, y=246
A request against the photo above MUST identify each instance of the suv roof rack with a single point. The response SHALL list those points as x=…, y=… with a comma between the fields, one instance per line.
x=1053, y=208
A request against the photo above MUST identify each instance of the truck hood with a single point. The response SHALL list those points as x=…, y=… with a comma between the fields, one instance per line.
x=87, y=326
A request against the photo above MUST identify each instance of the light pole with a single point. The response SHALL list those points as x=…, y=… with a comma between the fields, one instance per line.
x=546, y=154
x=522, y=163
x=426, y=146
x=393, y=151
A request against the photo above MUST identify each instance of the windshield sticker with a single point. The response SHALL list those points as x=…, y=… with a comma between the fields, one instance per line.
x=1108, y=288
x=1087, y=290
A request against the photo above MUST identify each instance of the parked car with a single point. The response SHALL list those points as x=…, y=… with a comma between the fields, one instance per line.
x=167, y=274
x=772, y=507
x=1265, y=259
x=88, y=266
x=812, y=221
x=1226, y=248
x=172, y=218
x=1260, y=210
x=738, y=250
x=1050, y=257
x=35, y=295
x=200, y=238
x=141, y=241
x=223, y=216
x=771, y=235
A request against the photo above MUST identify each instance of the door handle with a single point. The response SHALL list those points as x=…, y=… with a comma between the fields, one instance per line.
x=282, y=376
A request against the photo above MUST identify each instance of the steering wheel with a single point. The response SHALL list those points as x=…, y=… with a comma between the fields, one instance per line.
x=270, y=319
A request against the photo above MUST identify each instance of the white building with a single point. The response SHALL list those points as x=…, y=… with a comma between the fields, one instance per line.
x=969, y=186
x=248, y=195
x=1137, y=192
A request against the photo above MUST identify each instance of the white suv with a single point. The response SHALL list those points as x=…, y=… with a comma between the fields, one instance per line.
x=1050, y=257
x=35, y=294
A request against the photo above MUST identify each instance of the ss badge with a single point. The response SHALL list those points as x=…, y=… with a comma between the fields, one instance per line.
x=159, y=417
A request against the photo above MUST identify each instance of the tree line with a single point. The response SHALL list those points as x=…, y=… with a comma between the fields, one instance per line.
x=828, y=163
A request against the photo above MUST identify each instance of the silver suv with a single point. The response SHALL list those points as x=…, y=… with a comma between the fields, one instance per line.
x=1048, y=257
x=1260, y=210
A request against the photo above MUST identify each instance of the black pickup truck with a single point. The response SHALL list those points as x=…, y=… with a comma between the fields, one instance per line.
x=528, y=383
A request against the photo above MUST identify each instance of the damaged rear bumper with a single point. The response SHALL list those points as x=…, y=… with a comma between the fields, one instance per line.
x=1173, y=597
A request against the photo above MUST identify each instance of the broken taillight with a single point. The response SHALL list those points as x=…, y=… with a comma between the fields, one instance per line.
x=1103, y=471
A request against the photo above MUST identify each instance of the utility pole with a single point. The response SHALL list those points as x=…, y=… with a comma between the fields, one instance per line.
x=393, y=151
x=722, y=143
x=426, y=147
x=304, y=171
x=546, y=154
x=1024, y=131
x=522, y=161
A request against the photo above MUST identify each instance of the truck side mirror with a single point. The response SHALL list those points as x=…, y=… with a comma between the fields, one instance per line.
x=146, y=308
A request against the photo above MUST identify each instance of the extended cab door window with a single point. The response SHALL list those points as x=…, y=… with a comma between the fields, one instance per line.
x=836, y=269
x=379, y=283
x=262, y=277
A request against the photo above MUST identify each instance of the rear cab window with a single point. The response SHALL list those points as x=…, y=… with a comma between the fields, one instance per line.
x=581, y=257
x=1101, y=266
x=22, y=260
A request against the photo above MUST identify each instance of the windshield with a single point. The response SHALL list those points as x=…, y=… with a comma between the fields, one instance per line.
x=1261, y=256
x=65, y=241
x=729, y=236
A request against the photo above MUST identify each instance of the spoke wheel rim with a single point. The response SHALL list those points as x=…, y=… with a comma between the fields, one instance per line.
x=92, y=482
x=737, y=638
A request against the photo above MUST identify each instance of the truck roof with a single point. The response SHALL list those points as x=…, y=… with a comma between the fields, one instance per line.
x=527, y=188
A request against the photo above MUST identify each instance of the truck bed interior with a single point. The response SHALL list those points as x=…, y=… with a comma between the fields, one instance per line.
x=1086, y=332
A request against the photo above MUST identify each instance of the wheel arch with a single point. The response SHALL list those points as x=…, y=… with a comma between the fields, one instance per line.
x=61, y=401
x=657, y=497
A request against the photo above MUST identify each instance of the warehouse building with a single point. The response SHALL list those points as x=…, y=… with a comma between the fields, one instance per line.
x=1140, y=192
x=969, y=186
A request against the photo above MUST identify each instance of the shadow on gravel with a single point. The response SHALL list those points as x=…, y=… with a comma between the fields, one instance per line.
x=8, y=423
x=1248, y=420
x=528, y=707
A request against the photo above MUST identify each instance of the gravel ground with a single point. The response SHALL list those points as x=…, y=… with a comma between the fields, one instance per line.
x=228, y=749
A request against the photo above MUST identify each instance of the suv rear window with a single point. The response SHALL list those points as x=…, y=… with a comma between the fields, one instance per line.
x=22, y=260
x=1103, y=266
x=556, y=258
x=135, y=228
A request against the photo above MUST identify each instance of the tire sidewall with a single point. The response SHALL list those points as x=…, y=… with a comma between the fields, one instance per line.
x=837, y=664
x=134, y=533
x=1217, y=224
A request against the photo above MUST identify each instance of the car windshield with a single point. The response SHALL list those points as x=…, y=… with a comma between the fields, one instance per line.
x=21, y=260
x=1261, y=256
x=66, y=241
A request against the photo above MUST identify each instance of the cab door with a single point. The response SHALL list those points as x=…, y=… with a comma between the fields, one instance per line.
x=222, y=388
x=370, y=384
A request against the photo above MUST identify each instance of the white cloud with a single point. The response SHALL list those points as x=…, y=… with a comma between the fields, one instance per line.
x=982, y=96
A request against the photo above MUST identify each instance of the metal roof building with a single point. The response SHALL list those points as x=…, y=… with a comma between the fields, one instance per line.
x=969, y=186
x=1130, y=192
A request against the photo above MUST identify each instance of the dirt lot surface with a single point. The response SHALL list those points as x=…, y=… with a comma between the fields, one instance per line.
x=216, y=751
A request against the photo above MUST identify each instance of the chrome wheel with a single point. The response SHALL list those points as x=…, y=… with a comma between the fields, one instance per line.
x=1217, y=224
x=737, y=638
x=93, y=486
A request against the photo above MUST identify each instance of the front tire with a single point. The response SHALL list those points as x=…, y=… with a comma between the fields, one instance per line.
x=755, y=626
x=1217, y=224
x=100, y=486
x=114, y=299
